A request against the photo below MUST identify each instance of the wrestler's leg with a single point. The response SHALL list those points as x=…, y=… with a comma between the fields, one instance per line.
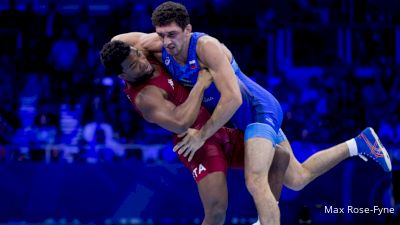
x=298, y=175
x=277, y=171
x=214, y=196
x=366, y=144
x=259, y=154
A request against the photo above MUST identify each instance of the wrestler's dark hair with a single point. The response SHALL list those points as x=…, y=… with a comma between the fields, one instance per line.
x=169, y=12
x=113, y=54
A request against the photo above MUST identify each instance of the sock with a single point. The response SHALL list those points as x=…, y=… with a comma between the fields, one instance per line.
x=351, y=144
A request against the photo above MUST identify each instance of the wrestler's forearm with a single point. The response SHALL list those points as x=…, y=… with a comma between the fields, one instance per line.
x=149, y=42
x=188, y=111
x=222, y=114
x=131, y=38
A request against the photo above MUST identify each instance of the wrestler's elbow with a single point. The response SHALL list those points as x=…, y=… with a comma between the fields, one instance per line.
x=236, y=99
x=174, y=127
x=181, y=129
x=116, y=38
x=182, y=126
x=239, y=99
x=130, y=38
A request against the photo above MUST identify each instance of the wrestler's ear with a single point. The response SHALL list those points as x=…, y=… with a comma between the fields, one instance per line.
x=122, y=76
x=188, y=29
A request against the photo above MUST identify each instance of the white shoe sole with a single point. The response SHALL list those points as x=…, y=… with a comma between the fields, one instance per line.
x=385, y=153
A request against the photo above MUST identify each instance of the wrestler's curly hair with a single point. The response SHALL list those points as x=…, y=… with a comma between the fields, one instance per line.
x=169, y=12
x=113, y=54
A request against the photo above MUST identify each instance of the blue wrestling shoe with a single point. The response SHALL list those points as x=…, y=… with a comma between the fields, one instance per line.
x=369, y=145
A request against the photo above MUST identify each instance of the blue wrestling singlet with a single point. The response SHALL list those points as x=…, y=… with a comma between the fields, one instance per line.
x=260, y=114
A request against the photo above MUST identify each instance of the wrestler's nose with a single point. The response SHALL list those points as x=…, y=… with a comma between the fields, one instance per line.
x=167, y=41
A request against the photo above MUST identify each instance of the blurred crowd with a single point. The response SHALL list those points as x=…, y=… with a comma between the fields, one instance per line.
x=54, y=92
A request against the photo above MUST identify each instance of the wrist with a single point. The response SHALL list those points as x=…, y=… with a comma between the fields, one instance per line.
x=203, y=134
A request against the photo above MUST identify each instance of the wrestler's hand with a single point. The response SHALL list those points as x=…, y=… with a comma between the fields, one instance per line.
x=189, y=144
x=204, y=78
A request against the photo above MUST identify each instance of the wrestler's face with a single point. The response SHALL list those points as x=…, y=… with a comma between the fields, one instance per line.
x=136, y=67
x=174, y=39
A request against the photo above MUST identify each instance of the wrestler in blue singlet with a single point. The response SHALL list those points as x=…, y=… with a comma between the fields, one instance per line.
x=260, y=114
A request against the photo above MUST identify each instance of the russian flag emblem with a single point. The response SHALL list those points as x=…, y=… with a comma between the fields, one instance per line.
x=192, y=64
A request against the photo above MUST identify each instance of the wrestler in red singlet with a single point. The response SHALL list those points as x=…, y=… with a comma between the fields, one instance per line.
x=224, y=149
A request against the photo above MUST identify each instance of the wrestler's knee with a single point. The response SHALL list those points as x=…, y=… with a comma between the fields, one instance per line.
x=295, y=185
x=256, y=181
x=299, y=181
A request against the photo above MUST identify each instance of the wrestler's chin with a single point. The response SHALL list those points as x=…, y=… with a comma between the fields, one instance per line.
x=172, y=51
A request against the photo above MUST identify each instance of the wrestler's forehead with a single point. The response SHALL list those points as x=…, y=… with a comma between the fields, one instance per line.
x=131, y=58
x=168, y=28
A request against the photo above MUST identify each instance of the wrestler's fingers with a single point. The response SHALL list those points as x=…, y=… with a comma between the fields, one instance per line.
x=187, y=152
x=181, y=143
x=177, y=147
x=191, y=155
x=183, y=149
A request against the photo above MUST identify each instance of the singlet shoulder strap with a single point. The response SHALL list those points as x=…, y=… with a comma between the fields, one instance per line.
x=192, y=46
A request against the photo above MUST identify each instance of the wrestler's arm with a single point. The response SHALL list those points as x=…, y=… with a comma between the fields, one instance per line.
x=212, y=56
x=155, y=107
x=149, y=42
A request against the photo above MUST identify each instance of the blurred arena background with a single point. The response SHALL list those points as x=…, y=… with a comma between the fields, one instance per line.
x=73, y=151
